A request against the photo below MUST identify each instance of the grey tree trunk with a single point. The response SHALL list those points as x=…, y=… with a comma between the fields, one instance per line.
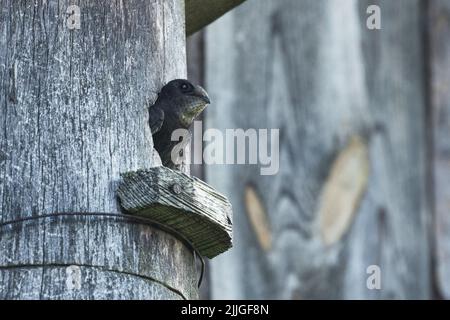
x=350, y=106
x=72, y=119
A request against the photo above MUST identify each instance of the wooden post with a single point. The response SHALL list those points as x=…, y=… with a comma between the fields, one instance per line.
x=72, y=119
x=184, y=204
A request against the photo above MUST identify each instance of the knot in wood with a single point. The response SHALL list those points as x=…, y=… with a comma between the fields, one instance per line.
x=176, y=188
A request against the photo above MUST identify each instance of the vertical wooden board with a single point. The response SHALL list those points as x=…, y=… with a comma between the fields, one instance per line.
x=439, y=30
x=195, y=54
x=24, y=283
x=72, y=118
x=195, y=72
x=313, y=70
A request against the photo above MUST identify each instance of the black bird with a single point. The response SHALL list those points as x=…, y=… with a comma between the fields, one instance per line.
x=176, y=107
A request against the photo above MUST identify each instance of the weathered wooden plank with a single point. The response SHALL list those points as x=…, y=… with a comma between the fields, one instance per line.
x=72, y=118
x=195, y=57
x=185, y=204
x=200, y=13
x=312, y=69
x=196, y=74
x=439, y=30
x=343, y=190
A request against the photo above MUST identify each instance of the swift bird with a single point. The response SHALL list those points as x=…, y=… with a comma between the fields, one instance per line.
x=176, y=107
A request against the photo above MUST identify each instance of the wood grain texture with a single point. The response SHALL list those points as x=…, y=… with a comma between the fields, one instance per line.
x=439, y=29
x=312, y=69
x=185, y=204
x=82, y=241
x=78, y=120
x=257, y=216
x=200, y=13
x=343, y=190
x=195, y=56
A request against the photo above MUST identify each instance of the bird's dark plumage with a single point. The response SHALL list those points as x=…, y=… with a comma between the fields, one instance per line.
x=156, y=119
x=176, y=107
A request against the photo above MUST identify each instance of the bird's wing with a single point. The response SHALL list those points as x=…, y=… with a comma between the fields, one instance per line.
x=156, y=118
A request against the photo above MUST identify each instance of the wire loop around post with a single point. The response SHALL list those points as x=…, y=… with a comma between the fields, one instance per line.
x=135, y=219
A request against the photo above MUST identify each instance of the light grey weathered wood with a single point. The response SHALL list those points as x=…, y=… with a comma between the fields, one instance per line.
x=195, y=56
x=200, y=13
x=185, y=204
x=312, y=69
x=72, y=118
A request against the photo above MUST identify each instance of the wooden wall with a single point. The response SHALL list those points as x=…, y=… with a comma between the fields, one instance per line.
x=439, y=27
x=355, y=184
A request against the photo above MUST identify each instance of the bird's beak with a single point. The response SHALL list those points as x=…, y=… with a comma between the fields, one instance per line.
x=201, y=93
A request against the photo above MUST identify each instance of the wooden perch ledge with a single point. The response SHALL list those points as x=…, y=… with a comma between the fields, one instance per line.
x=186, y=204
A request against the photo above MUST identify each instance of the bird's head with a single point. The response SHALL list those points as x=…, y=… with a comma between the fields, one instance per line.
x=186, y=100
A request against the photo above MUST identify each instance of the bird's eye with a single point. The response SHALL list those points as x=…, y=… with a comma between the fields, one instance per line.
x=185, y=87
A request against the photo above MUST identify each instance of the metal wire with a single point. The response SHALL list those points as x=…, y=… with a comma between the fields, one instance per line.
x=138, y=219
